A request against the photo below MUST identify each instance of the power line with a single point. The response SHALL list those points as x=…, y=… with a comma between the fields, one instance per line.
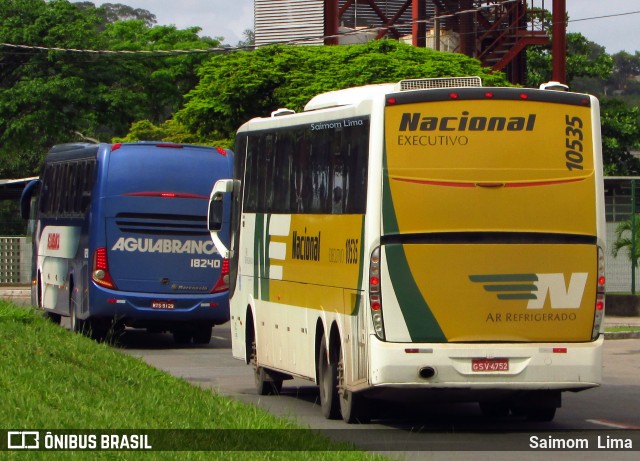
x=605, y=16
x=226, y=49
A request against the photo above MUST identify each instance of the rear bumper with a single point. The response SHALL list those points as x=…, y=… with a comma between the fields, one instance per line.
x=538, y=366
x=133, y=306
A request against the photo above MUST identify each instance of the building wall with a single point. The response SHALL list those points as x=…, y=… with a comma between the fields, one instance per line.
x=302, y=21
x=289, y=21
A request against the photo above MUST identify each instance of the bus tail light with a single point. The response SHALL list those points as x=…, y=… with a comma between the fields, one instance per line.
x=223, y=282
x=100, y=269
x=375, y=295
x=600, y=296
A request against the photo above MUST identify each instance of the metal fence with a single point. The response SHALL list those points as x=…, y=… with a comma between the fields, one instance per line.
x=622, y=199
x=15, y=260
x=622, y=195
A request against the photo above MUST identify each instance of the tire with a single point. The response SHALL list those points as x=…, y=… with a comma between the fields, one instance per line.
x=202, y=334
x=53, y=317
x=77, y=325
x=328, y=382
x=542, y=414
x=354, y=407
x=494, y=410
x=98, y=329
x=265, y=383
x=181, y=336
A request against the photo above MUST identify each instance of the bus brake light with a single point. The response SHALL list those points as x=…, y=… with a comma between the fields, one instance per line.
x=223, y=282
x=100, y=273
x=375, y=297
x=600, y=296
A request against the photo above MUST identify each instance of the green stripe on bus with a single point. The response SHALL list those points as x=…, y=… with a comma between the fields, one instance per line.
x=504, y=278
x=421, y=323
x=260, y=259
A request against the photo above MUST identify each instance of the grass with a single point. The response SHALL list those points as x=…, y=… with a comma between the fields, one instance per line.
x=53, y=379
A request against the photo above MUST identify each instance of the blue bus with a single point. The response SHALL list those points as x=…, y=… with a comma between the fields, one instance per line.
x=120, y=238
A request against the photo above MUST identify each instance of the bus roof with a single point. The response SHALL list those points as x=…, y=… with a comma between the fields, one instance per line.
x=357, y=94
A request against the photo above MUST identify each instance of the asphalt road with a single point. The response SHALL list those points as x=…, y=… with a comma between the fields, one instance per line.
x=413, y=432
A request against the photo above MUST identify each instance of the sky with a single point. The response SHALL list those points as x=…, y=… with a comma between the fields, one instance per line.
x=229, y=18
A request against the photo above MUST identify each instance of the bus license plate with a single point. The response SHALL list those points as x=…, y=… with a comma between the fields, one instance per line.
x=489, y=365
x=163, y=305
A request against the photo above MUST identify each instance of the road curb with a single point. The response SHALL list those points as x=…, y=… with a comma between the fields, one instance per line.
x=622, y=335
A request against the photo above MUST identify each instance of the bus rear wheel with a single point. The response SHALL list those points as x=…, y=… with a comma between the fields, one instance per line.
x=77, y=325
x=181, y=335
x=328, y=382
x=202, y=334
x=353, y=406
x=51, y=316
x=542, y=414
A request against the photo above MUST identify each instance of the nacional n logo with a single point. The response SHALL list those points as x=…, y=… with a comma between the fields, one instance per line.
x=535, y=288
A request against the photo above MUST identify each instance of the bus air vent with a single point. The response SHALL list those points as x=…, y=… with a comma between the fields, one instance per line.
x=428, y=83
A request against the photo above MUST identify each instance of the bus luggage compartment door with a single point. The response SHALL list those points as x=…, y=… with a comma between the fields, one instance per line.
x=489, y=292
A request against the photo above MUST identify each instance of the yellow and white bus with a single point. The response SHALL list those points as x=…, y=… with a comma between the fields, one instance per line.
x=431, y=239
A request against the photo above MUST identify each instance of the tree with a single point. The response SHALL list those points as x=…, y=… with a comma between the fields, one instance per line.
x=620, y=135
x=249, y=39
x=627, y=237
x=238, y=86
x=47, y=95
x=113, y=12
x=584, y=59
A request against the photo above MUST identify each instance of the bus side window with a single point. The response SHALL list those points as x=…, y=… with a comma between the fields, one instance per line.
x=88, y=178
x=45, y=196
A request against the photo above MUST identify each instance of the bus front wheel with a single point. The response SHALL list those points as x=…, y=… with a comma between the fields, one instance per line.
x=265, y=383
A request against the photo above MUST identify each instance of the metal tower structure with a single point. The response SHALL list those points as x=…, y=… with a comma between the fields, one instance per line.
x=497, y=32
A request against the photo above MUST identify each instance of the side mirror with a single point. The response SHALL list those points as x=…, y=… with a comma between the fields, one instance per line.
x=215, y=218
x=25, y=198
x=215, y=215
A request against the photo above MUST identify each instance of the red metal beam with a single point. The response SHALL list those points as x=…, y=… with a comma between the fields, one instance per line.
x=331, y=22
x=559, y=41
x=418, y=25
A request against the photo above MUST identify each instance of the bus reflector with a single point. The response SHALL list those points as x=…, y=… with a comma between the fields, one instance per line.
x=116, y=146
x=100, y=273
x=223, y=282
